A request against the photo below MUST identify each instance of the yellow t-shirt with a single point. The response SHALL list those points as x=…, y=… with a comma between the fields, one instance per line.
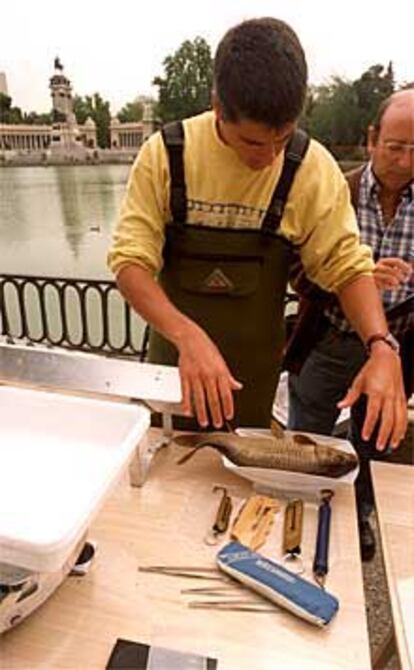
x=223, y=192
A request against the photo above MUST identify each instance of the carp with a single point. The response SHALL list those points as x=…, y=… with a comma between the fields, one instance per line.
x=289, y=451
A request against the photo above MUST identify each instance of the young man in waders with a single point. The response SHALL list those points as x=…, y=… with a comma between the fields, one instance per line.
x=213, y=208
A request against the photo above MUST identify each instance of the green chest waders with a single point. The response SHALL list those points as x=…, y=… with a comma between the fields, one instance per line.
x=232, y=283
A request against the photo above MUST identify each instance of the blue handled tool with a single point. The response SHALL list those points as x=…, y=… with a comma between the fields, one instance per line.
x=320, y=562
x=279, y=585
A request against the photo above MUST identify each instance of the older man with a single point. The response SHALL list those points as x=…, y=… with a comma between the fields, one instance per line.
x=384, y=199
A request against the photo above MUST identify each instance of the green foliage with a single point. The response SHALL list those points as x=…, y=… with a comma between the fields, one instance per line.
x=82, y=108
x=14, y=115
x=339, y=113
x=9, y=114
x=185, y=88
x=376, y=84
x=33, y=118
x=131, y=112
x=333, y=117
x=99, y=110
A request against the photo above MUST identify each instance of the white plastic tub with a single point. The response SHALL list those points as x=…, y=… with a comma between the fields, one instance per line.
x=59, y=457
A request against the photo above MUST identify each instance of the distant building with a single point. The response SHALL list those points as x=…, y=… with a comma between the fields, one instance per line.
x=125, y=136
x=65, y=136
x=24, y=137
x=88, y=133
x=66, y=139
x=129, y=136
x=3, y=83
x=66, y=133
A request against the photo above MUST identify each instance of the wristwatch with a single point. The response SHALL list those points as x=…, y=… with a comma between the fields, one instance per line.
x=388, y=338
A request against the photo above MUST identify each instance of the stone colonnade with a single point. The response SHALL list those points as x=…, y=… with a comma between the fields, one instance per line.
x=24, y=137
x=126, y=135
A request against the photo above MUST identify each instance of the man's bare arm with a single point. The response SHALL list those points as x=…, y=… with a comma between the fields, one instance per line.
x=381, y=377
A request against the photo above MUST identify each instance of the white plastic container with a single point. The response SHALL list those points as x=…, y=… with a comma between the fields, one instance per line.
x=59, y=457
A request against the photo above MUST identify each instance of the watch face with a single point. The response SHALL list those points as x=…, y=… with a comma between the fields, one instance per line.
x=390, y=339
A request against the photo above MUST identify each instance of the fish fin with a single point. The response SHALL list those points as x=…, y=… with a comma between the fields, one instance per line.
x=299, y=438
x=276, y=429
x=188, y=439
x=187, y=456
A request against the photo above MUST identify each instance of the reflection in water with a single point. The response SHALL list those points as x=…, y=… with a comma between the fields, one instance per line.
x=72, y=215
x=58, y=220
x=12, y=211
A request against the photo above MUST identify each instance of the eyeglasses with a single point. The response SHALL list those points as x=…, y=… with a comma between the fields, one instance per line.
x=398, y=148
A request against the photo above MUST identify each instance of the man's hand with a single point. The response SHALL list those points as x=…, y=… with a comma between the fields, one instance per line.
x=206, y=381
x=389, y=273
x=380, y=379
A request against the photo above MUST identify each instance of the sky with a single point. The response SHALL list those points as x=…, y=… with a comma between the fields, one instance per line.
x=118, y=48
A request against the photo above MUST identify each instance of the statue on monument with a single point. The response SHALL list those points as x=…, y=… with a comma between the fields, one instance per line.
x=58, y=64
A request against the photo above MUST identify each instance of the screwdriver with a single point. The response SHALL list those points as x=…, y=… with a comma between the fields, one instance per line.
x=320, y=562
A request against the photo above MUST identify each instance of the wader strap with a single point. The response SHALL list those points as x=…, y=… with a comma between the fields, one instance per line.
x=294, y=154
x=173, y=136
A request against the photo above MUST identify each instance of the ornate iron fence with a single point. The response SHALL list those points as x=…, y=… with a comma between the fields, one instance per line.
x=83, y=314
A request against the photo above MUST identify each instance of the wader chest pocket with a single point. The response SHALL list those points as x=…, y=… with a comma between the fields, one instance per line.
x=236, y=278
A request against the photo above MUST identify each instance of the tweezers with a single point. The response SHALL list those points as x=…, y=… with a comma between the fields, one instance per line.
x=183, y=571
x=231, y=605
x=214, y=590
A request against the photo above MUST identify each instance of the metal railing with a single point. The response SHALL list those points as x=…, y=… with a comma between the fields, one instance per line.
x=83, y=314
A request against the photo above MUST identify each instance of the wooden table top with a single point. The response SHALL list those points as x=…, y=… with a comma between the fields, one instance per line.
x=394, y=496
x=164, y=522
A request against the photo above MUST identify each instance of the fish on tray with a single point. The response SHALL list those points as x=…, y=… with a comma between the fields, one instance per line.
x=283, y=451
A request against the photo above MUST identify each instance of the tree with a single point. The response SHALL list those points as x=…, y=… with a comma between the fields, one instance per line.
x=338, y=113
x=102, y=118
x=33, y=118
x=82, y=108
x=374, y=85
x=333, y=117
x=131, y=112
x=99, y=110
x=185, y=89
x=14, y=115
x=9, y=114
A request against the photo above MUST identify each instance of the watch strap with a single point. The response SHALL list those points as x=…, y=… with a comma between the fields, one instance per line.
x=382, y=337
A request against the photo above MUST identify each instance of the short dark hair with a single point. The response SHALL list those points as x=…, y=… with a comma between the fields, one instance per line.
x=260, y=73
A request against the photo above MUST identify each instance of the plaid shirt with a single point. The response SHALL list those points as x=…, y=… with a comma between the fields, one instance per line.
x=395, y=239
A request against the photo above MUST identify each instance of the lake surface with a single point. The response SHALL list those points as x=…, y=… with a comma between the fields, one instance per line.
x=58, y=220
